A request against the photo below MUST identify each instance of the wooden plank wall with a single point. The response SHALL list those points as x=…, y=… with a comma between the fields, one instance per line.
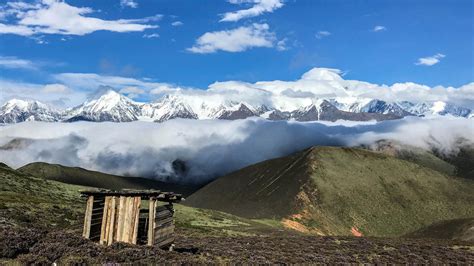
x=164, y=226
x=116, y=219
x=93, y=217
x=119, y=221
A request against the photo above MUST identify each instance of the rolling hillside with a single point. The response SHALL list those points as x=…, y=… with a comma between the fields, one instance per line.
x=341, y=191
x=460, y=163
x=457, y=229
x=83, y=177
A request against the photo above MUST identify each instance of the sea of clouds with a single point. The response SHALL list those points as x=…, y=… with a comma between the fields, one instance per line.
x=210, y=148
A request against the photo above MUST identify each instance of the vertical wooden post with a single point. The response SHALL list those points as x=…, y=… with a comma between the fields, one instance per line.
x=111, y=221
x=104, y=226
x=86, y=231
x=120, y=218
x=151, y=222
x=135, y=218
x=127, y=219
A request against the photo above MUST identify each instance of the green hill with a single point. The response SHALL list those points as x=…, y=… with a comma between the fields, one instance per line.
x=457, y=229
x=28, y=201
x=83, y=177
x=460, y=163
x=35, y=202
x=341, y=191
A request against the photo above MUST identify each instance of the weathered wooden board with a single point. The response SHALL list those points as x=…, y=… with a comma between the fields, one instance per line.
x=88, y=217
x=151, y=222
x=164, y=226
x=104, y=220
x=135, y=218
x=111, y=221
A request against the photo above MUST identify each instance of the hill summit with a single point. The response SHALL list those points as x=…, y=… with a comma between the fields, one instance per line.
x=340, y=191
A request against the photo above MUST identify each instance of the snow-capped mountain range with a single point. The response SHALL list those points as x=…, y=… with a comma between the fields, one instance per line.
x=115, y=107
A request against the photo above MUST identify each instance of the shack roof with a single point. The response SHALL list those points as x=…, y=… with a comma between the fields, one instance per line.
x=144, y=194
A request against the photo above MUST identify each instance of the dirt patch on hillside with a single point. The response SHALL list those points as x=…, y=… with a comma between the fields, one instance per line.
x=30, y=246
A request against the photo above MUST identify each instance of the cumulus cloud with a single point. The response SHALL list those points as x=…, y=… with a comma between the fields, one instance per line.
x=236, y=40
x=379, y=28
x=322, y=34
x=259, y=7
x=430, y=60
x=55, y=88
x=211, y=148
x=151, y=36
x=91, y=81
x=54, y=94
x=132, y=92
x=128, y=3
x=283, y=95
x=58, y=17
x=16, y=63
x=177, y=23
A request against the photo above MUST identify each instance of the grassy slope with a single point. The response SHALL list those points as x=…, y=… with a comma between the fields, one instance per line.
x=28, y=201
x=459, y=229
x=459, y=164
x=83, y=177
x=31, y=201
x=329, y=190
x=463, y=161
x=381, y=195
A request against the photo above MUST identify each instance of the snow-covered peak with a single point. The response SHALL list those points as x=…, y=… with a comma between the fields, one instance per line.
x=435, y=108
x=109, y=106
x=107, y=102
x=16, y=110
x=24, y=105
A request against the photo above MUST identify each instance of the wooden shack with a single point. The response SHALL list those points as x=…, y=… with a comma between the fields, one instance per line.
x=136, y=217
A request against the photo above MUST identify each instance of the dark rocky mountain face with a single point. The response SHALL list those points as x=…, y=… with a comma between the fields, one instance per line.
x=308, y=114
x=329, y=112
x=183, y=113
x=382, y=107
x=241, y=113
x=279, y=115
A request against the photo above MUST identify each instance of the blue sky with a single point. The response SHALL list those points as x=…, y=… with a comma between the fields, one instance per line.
x=195, y=43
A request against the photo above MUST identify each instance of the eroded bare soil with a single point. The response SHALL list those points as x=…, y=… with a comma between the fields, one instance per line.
x=36, y=246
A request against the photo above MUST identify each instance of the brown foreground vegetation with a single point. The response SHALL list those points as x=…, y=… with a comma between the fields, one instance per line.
x=62, y=246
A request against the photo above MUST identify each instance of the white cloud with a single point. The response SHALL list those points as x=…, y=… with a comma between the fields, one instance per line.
x=55, y=88
x=321, y=34
x=318, y=83
x=128, y=3
x=259, y=7
x=430, y=60
x=132, y=92
x=58, y=17
x=208, y=147
x=379, y=28
x=89, y=82
x=236, y=40
x=151, y=36
x=284, y=95
x=16, y=63
x=177, y=23
x=281, y=45
x=49, y=93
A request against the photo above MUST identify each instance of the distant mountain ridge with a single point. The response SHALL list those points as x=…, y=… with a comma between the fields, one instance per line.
x=84, y=177
x=115, y=107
